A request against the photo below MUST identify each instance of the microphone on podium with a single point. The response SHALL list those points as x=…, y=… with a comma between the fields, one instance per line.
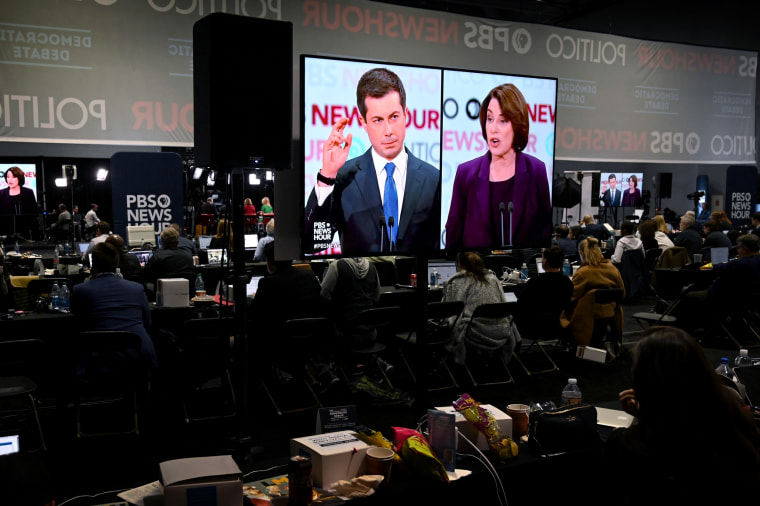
x=501, y=212
x=390, y=232
x=510, y=208
x=381, y=222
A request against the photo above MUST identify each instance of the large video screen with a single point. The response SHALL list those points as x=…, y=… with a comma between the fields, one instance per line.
x=621, y=189
x=449, y=186
x=18, y=197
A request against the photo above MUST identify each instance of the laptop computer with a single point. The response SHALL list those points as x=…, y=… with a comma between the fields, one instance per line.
x=204, y=241
x=252, y=286
x=749, y=376
x=143, y=256
x=445, y=268
x=251, y=241
x=214, y=256
x=83, y=247
x=613, y=418
x=718, y=255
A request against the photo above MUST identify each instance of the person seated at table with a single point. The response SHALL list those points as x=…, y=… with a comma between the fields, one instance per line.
x=755, y=223
x=108, y=302
x=593, y=229
x=577, y=233
x=692, y=439
x=735, y=282
x=714, y=238
x=169, y=261
x=184, y=242
x=475, y=285
x=547, y=292
x=102, y=230
x=129, y=265
x=349, y=286
x=595, y=272
x=266, y=207
x=258, y=256
x=569, y=246
x=286, y=293
x=722, y=218
x=248, y=208
x=627, y=241
x=690, y=236
x=223, y=237
x=652, y=237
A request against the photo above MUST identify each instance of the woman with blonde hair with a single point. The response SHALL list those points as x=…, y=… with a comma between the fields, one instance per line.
x=223, y=237
x=266, y=207
x=595, y=272
x=662, y=225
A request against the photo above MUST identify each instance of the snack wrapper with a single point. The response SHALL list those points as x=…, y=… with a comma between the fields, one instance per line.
x=504, y=447
x=376, y=438
x=417, y=454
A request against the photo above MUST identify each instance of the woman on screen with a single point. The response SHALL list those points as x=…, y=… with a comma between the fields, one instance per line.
x=502, y=197
x=17, y=200
x=632, y=196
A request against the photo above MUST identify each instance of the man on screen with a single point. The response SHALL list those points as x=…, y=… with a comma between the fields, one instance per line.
x=611, y=195
x=386, y=199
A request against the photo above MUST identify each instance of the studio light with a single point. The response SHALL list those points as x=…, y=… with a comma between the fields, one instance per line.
x=270, y=175
x=68, y=171
x=197, y=172
x=61, y=182
x=211, y=180
x=253, y=180
x=102, y=174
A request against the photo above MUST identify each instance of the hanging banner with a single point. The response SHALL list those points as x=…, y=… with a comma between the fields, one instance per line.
x=146, y=189
x=75, y=72
x=741, y=185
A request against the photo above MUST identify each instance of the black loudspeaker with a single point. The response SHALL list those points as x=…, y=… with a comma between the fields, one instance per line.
x=666, y=185
x=243, y=92
x=595, y=187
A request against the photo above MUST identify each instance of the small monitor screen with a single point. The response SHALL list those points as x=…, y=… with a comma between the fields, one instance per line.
x=214, y=256
x=8, y=445
x=139, y=235
x=204, y=241
x=620, y=189
x=83, y=247
x=143, y=256
x=251, y=241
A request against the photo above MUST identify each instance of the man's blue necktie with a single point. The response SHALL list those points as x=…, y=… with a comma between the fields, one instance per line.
x=390, y=202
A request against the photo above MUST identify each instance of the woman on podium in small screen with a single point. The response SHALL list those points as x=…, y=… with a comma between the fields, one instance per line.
x=502, y=197
x=632, y=196
x=18, y=205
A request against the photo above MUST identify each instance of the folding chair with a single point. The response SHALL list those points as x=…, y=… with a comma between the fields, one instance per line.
x=487, y=313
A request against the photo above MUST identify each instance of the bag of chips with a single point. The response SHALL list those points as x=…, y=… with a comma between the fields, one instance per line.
x=504, y=447
x=417, y=455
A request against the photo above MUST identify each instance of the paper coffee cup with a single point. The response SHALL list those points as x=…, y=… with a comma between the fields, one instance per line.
x=379, y=461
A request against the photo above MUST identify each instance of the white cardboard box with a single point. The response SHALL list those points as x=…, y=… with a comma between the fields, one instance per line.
x=469, y=431
x=201, y=480
x=593, y=354
x=173, y=292
x=334, y=456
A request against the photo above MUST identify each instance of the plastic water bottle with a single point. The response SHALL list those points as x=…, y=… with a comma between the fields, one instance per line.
x=119, y=274
x=571, y=393
x=55, y=296
x=724, y=369
x=433, y=277
x=15, y=247
x=742, y=359
x=64, y=298
x=56, y=259
x=566, y=267
x=524, y=272
x=199, y=286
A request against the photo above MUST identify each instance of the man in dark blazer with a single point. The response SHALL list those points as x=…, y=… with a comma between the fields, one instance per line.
x=611, y=196
x=350, y=195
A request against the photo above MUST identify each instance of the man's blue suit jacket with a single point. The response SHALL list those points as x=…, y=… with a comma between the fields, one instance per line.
x=355, y=208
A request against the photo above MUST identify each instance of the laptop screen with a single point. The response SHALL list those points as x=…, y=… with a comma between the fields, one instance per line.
x=204, y=241
x=83, y=246
x=142, y=256
x=445, y=268
x=718, y=255
x=214, y=256
x=252, y=286
x=251, y=241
